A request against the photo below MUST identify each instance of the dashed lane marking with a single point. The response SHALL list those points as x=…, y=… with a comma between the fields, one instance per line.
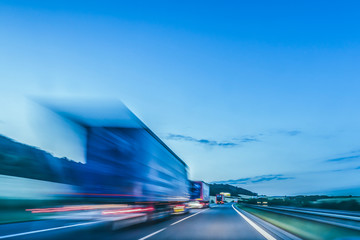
x=159, y=231
x=47, y=230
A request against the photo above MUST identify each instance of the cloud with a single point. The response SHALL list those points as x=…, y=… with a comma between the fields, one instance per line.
x=180, y=137
x=346, y=169
x=267, y=178
x=290, y=133
x=248, y=139
x=234, y=182
x=293, y=133
x=235, y=141
x=202, y=141
x=343, y=159
x=256, y=179
x=355, y=151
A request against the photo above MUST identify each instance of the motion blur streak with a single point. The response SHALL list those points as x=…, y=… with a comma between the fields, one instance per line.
x=134, y=210
x=103, y=194
x=59, y=209
x=76, y=208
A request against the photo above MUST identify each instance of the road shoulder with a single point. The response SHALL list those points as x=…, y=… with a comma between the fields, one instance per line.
x=274, y=231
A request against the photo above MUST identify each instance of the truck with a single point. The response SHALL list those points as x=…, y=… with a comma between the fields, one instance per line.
x=126, y=168
x=199, y=194
x=219, y=199
x=132, y=165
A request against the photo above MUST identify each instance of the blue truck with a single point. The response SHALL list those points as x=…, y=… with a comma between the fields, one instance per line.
x=199, y=194
x=126, y=164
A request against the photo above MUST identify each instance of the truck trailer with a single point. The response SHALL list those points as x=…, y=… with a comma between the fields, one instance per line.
x=199, y=194
x=127, y=168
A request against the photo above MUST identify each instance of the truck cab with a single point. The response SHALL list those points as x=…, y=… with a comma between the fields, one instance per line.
x=219, y=199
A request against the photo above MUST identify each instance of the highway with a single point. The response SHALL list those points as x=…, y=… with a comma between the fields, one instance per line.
x=217, y=222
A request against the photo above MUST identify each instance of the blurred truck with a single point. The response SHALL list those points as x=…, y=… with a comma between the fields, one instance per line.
x=219, y=199
x=127, y=168
x=199, y=194
x=132, y=165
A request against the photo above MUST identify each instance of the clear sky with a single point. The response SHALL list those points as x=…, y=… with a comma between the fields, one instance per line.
x=263, y=93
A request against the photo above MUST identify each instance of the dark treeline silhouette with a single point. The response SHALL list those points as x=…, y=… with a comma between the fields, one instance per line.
x=233, y=190
x=21, y=160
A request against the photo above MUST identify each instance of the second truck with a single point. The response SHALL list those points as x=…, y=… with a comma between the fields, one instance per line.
x=199, y=194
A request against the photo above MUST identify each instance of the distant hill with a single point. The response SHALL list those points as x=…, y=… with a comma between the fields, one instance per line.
x=21, y=160
x=234, y=191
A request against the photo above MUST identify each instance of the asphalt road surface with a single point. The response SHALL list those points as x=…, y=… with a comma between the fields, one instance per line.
x=217, y=222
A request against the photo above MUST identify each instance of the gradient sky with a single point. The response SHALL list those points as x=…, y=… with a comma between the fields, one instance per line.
x=264, y=94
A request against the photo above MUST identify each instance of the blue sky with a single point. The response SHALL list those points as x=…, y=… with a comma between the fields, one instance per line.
x=261, y=91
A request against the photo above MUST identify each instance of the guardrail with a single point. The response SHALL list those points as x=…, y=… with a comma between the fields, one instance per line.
x=308, y=224
x=318, y=212
x=351, y=222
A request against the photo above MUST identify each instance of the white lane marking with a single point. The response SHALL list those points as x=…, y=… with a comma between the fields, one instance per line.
x=152, y=234
x=188, y=217
x=257, y=228
x=48, y=229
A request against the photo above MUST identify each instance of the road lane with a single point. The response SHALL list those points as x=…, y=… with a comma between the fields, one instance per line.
x=219, y=222
x=21, y=234
x=68, y=229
